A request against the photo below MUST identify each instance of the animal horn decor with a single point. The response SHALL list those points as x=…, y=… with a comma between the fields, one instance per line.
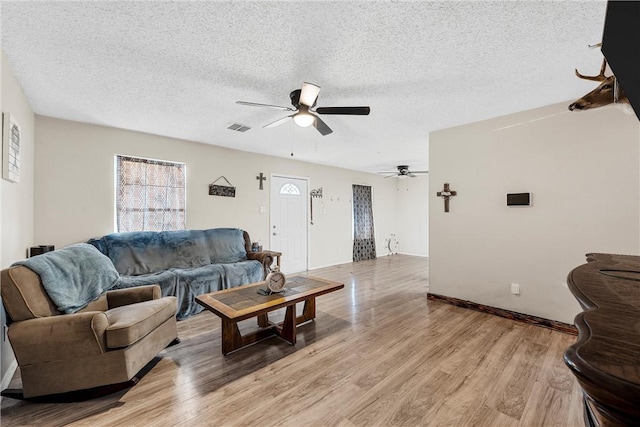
x=607, y=92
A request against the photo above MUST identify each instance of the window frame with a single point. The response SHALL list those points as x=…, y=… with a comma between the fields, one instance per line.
x=175, y=211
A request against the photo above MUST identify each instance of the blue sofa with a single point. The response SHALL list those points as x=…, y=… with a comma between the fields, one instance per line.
x=184, y=263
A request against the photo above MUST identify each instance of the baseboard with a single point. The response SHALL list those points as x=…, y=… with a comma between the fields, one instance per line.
x=508, y=314
x=318, y=267
x=410, y=254
x=8, y=376
x=350, y=261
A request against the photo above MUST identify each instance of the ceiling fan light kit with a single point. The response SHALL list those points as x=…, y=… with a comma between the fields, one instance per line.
x=304, y=100
x=302, y=118
x=309, y=94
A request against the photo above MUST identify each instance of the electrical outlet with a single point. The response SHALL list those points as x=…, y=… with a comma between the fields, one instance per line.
x=515, y=288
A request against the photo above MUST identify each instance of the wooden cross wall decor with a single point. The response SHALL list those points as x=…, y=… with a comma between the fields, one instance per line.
x=446, y=194
x=262, y=178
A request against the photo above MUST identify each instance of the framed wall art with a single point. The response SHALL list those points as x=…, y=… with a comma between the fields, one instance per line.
x=222, y=190
x=11, y=135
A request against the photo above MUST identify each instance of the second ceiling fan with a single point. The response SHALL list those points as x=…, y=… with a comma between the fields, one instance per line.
x=304, y=100
x=403, y=172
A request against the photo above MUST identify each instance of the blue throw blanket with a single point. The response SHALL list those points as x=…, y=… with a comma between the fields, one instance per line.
x=184, y=263
x=144, y=252
x=73, y=276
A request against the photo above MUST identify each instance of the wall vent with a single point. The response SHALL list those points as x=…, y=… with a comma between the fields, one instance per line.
x=238, y=127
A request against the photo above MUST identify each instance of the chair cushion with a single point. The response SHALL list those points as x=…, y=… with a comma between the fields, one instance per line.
x=130, y=323
x=23, y=294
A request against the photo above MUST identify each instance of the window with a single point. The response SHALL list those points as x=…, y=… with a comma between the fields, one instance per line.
x=290, y=189
x=150, y=194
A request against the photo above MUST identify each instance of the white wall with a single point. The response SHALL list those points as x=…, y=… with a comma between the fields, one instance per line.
x=74, y=189
x=413, y=218
x=583, y=171
x=16, y=199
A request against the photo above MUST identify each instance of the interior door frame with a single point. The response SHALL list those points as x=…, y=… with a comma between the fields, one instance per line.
x=307, y=199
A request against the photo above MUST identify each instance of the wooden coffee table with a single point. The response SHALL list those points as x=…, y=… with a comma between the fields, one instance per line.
x=244, y=302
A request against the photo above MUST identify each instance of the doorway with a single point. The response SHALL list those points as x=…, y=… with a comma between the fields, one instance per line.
x=288, y=230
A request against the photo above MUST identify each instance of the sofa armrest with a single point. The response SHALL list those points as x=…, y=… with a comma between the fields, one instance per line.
x=121, y=297
x=266, y=259
x=63, y=337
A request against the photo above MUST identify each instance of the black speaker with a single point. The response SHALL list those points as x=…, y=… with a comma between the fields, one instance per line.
x=40, y=249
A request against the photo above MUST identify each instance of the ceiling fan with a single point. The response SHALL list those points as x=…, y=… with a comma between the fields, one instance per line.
x=403, y=172
x=304, y=100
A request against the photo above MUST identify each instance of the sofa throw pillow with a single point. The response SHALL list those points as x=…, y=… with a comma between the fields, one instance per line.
x=73, y=276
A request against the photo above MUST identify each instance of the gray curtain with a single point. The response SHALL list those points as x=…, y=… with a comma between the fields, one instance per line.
x=364, y=242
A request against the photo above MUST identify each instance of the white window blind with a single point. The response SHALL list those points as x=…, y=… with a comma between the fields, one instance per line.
x=150, y=194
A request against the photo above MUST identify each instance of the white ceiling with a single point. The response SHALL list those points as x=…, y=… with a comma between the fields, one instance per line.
x=177, y=68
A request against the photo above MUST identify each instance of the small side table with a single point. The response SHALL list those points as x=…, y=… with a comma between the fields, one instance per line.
x=275, y=254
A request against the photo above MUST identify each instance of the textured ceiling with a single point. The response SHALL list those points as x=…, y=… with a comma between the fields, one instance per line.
x=177, y=68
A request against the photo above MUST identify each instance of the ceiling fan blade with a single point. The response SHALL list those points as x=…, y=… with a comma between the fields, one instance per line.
x=389, y=176
x=255, y=104
x=354, y=111
x=278, y=122
x=309, y=94
x=411, y=174
x=321, y=126
x=387, y=173
x=419, y=172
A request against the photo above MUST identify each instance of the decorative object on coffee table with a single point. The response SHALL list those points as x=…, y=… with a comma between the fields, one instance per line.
x=275, y=280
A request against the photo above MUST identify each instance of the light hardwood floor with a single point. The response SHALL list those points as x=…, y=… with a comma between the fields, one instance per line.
x=378, y=353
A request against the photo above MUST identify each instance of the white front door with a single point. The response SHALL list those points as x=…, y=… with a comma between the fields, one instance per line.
x=288, y=227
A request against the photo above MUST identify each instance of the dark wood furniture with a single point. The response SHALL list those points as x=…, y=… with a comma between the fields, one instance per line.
x=275, y=254
x=244, y=302
x=606, y=357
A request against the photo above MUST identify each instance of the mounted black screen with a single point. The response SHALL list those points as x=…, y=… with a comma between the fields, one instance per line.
x=621, y=47
x=519, y=199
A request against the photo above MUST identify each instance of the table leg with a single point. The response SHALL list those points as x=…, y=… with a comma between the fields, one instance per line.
x=308, y=312
x=263, y=320
x=231, y=339
x=288, y=331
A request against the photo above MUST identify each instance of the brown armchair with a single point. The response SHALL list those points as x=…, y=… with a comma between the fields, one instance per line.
x=107, y=342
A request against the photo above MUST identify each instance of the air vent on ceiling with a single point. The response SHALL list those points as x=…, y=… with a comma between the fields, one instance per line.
x=238, y=127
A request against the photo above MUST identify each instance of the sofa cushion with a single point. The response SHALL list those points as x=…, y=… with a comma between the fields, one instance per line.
x=130, y=323
x=144, y=252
